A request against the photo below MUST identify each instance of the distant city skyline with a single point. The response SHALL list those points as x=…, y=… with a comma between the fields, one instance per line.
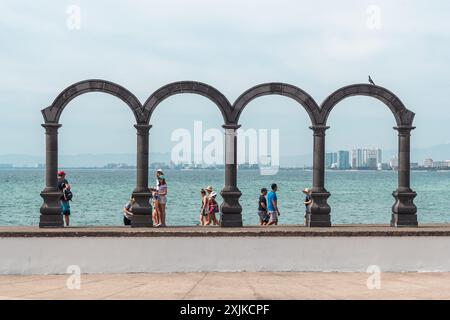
x=341, y=159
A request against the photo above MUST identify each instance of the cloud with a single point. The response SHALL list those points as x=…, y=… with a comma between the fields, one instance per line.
x=232, y=45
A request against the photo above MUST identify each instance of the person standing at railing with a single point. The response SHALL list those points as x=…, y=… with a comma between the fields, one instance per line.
x=162, y=194
x=66, y=196
x=308, y=200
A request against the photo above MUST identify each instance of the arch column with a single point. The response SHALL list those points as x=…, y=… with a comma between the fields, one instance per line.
x=51, y=208
x=142, y=209
x=319, y=210
x=231, y=210
x=404, y=211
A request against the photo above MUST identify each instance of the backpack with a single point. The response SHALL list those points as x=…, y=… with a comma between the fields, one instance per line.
x=68, y=195
x=214, y=207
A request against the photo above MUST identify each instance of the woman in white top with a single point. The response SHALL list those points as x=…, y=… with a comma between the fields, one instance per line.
x=162, y=192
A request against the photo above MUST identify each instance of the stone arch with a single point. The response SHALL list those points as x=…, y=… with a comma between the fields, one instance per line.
x=404, y=211
x=51, y=208
x=53, y=113
x=320, y=195
x=188, y=87
x=283, y=89
x=403, y=116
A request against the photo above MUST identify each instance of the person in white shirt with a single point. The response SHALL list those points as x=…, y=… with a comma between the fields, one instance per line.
x=162, y=200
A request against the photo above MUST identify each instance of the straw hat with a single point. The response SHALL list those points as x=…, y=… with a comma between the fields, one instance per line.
x=209, y=188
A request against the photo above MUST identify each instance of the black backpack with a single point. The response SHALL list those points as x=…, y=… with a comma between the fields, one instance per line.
x=68, y=195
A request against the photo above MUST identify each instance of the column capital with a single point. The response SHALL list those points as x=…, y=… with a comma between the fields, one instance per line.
x=404, y=129
x=234, y=126
x=143, y=128
x=51, y=128
x=51, y=125
x=319, y=129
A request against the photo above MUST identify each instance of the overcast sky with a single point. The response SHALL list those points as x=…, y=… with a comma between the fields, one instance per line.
x=231, y=45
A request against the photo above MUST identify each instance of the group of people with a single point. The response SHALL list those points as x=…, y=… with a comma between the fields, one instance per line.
x=159, y=199
x=209, y=207
x=268, y=211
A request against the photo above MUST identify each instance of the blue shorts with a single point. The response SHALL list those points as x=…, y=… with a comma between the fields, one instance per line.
x=65, y=207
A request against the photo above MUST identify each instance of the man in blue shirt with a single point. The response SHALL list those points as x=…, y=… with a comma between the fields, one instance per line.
x=272, y=205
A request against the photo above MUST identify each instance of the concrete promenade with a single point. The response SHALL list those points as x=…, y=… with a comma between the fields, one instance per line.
x=242, y=285
x=355, y=230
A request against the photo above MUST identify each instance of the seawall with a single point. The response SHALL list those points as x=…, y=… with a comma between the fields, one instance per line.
x=29, y=250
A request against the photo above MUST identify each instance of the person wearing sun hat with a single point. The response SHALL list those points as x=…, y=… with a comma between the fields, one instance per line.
x=208, y=190
x=213, y=208
x=308, y=199
x=162, y=195
x=159, y=172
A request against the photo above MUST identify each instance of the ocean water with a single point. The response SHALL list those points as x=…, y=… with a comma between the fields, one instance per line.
x=99, y=195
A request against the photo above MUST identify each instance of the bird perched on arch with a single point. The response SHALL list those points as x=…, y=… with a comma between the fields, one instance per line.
x=371, y=81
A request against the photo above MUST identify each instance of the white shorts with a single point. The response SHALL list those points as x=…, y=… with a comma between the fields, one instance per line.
x=273, y=216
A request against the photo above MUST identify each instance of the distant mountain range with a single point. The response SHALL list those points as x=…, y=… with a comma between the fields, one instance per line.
x=438, y=152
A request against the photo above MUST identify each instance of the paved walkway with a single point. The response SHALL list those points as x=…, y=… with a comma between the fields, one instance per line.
x=229, y=286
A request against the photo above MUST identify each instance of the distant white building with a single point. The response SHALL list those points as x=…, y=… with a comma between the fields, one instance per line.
x=428, y=163
x=441, y=164
x=366, y=158
x=383, y=166
x=394, y=163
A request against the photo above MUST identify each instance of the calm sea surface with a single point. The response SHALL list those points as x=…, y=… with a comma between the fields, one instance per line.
x=99, y=195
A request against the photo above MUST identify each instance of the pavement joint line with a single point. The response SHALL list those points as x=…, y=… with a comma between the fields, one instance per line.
x=54, y=276
x=56, y=289
x=322, y=290
x=253, y=288
x=123, y=290
x=194, y=286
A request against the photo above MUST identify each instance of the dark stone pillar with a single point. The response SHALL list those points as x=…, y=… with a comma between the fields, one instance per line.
x=51, y=208
x=404, y=211
x=319, y=210
x=142, y=209
x=231, y=210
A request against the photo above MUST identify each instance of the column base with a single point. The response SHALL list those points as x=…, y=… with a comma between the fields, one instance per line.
x=142, y=221
x=404, y=220
x=51, y=221
x=319, y=211
x=142, y=210
x=317, y=220
x=51, y=216
x=230, y=209
x=404, y=211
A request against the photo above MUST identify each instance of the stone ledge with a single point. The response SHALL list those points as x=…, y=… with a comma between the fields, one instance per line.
x=430, y=230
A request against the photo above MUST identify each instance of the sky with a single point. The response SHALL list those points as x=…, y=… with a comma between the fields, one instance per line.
x=232, y=45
